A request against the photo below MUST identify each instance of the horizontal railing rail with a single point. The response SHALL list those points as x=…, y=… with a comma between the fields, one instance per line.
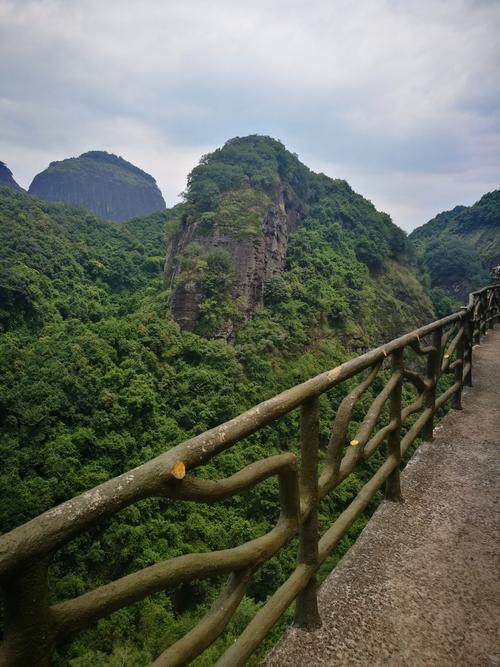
x=33, y=627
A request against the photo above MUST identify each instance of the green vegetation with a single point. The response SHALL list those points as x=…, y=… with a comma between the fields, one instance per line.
x=240, y=212
x=95, y=378
x=459, y=247
x=103, y=163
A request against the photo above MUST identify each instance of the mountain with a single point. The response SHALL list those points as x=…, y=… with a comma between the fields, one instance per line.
x=101, y=182
x=6, y=178
x=459, y=247
x=259, y=228
x=96, y=377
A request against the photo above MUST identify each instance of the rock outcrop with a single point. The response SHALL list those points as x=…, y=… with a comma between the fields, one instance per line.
x=6, y=178
x=256, y=256
x=103, y=183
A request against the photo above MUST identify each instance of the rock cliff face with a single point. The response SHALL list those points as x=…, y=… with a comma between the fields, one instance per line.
x=255, y=256
x=101, y=182
x=6, y=178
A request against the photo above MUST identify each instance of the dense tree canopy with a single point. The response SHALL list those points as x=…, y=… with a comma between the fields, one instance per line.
x=460, y=246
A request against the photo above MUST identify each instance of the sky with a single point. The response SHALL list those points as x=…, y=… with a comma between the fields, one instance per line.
x=400, y=98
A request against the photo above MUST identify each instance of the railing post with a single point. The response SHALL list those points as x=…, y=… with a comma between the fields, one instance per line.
x=28, y=633
x=468, y=343
x=483, y=313
x=393, y=485
x=459, y=370
x=476, y=322
x=491, y=309
x=306, y=608
x=433, y=373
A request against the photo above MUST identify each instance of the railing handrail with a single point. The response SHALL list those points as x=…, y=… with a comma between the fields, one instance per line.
x=25, y=551
x=72, y=516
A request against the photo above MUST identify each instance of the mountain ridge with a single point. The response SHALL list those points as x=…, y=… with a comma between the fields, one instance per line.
x=459, y=247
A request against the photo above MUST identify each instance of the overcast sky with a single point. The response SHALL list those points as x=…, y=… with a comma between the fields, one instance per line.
x=400, y=98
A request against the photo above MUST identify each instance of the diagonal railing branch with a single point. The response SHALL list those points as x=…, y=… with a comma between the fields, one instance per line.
x=341, y=423
x=416, y=379
x=446, y=334
x=416, y=406
x=376, y=408
x=355, y=450
x=210, y=627
x=376, y=440
x=447, y=355
x=422, y=350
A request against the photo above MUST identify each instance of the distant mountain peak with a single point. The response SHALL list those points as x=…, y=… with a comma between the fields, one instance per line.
x=119, y=161
x=7, y=179
x=104, y=183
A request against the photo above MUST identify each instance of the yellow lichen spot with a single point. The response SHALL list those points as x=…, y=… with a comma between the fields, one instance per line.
x=334, y=373
x=354, y=443
x=446, y=356
x=179, y=470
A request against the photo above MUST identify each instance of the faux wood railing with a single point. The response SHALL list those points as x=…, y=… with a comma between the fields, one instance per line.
x=33, y=628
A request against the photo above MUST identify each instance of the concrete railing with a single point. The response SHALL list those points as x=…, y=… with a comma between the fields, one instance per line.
x=33, y=628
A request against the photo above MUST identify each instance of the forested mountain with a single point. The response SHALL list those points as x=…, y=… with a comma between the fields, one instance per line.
x=6, y=178
x=101, y=182
x=259, y=227
x=96, y=377
x=459, y=247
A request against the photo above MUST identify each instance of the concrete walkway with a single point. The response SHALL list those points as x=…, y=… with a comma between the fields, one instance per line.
x=421, y=587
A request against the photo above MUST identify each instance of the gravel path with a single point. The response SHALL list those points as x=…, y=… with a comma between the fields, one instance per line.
x=420, y=587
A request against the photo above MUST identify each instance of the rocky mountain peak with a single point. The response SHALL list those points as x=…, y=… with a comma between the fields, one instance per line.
x=240, y=209
x=101, y=182
x=7, y=179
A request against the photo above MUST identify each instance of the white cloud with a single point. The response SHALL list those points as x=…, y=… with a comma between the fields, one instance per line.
x=396, y=95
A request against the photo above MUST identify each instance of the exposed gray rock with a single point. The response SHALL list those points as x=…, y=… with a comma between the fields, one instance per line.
x=7, y=179
x=255, y=259
x=103, y=183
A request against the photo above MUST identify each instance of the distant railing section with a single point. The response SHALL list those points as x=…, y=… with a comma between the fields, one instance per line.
x=33, y=628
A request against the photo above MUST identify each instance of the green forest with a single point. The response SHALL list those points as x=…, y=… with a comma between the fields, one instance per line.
x=96, y=377
x=459, y=247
